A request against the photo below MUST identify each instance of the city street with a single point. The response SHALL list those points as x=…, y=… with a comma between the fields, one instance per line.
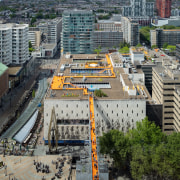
x=11, y=101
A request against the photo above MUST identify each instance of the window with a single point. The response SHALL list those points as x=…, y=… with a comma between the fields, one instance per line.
x=132, y=111
x=77, y=114
x=137, y=105
x=102, y=112
x=112, y=112
x=97, y=115
x=122, y=120
x=87, y=114
x=61, y=112
x=137, y=114
x=46, y=114
x=107, y=114
x=82, y=112
x=77, y=105
x=107, y=105
x=122, y=111
x=67, y=105
x=117, y=105
x=57, y=105
x=72, y=112
x=87, y=105
x=117, y=114
x=168, y=124
x=57, y=114
x=127, y=114
x=97, y=105
x=127, y=105
x=142, y=111
x=67, y=114
x=132, y=120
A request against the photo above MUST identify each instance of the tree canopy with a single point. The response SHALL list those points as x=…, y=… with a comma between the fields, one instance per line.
x=146, y=150
x=98, y=50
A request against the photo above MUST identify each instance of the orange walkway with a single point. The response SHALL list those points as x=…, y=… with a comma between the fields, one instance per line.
x=59, y=81
x=95, y=173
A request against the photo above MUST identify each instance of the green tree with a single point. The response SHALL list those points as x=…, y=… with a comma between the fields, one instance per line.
x=146, y=133
x=171, y=48
x=138, y=45
x=165, y=45
x=115, y=144
x=33, y=20
x=30, y=44
x=154, y=46
x=33, y=93
x=99, y=93
x=124, y=50
x=98, y=50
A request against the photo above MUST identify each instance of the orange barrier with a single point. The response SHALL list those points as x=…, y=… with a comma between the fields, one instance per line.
x=95, y=172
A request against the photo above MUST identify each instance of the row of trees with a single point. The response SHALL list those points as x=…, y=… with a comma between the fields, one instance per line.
x=145, y=151
x=124, y=48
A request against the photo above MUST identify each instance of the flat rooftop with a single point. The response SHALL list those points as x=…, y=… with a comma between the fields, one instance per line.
x=77, y=75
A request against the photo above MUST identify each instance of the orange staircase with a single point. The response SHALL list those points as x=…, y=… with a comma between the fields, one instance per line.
x=95, y=172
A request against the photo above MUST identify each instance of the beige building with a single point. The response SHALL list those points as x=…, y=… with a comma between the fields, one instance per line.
x=176, y=109
x=34, y=36
x=130, y=29
x=164, y=81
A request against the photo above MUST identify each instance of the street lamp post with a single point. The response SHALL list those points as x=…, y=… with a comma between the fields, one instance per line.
x=5, y=170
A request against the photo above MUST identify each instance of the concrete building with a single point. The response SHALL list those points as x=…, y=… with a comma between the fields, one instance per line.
x=107, y=39
x=175, y=12
x=14, y=47
x=108, y=25
x=176, y=122
x=178, y=52
x=76, y=77
x=160, y=36
x=163, y=8
x=107, y=34
x=78, y=26
x=34, y=36
x=51, y=30
x=4, y=87
x=130, y=29
x=165, y=91
x=173, y=20
x=139, y=8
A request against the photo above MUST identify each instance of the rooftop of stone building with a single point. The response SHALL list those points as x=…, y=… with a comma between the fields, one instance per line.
x=78, y=73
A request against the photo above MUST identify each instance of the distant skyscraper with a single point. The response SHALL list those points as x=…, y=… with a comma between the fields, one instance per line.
x=163, y=8
x=77, y=28
x=14, y=45
x=139, y=8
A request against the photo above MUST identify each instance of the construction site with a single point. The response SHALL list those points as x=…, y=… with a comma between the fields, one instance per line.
x=74, y=113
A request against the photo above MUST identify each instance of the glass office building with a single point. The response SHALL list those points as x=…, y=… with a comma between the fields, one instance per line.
x=77, y=29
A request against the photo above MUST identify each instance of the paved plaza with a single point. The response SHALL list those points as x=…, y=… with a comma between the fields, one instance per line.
x=23, y=168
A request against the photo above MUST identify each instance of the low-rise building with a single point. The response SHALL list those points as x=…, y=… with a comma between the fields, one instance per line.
x=76, y=77
x=160, y=36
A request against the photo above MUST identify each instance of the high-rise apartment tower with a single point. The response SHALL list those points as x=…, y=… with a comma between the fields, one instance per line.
x=14, y=43
x=163, y=8
x=77, y=28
